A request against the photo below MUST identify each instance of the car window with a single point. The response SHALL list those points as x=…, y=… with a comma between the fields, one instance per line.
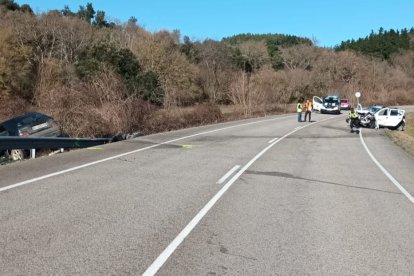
x=32, y=120
x=316, y=99
x=394, y=112
x=330, y=100
x=3, y=131
x=383, y=112
x=26, y=121
x=374, y=109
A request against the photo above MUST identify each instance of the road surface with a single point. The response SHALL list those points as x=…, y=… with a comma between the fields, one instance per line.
x=266, y=196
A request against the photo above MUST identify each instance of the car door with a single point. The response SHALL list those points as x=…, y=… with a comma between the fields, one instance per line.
x=317, y=103
x=395, y=117
x=382, y=117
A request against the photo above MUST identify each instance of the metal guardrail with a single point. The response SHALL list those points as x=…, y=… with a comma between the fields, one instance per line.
x=27, y=143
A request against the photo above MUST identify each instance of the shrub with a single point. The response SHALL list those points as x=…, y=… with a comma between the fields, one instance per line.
x=13, y=106
x=99, y=107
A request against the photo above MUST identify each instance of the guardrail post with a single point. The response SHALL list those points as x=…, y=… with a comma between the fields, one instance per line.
x=32, y=153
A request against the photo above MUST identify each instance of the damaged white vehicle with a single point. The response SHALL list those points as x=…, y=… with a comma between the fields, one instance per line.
x=390, y=117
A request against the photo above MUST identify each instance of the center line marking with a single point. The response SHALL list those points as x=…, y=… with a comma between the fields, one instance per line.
x=163, y=257
x=230, y=172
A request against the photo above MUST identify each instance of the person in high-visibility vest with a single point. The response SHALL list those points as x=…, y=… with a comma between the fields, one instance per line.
x=354, y=117
x=299, y=108
x=308, y=109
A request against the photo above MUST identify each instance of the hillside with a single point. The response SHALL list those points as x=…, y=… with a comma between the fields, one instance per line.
x=99, y=78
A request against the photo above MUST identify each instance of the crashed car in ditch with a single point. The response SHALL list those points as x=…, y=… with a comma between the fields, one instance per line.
x=390, y=117
x=33, y=124
x=385, y=117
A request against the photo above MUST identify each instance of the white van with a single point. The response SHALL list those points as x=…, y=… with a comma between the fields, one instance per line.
x=329, y=104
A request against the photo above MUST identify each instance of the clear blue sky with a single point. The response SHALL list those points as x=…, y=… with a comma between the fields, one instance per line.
x=329, y=21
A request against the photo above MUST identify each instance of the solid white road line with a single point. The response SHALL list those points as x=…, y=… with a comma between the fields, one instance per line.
x=130, y=152
x=390, y=177
x=230, y=172
x=161, y=259
x=271, y=141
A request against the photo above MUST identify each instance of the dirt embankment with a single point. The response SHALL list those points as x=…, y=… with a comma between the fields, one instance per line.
x=405, y=139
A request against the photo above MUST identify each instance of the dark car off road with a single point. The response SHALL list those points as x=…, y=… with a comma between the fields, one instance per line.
x=30, y=124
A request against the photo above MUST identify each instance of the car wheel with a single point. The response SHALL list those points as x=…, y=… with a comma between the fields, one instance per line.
x=16, y=154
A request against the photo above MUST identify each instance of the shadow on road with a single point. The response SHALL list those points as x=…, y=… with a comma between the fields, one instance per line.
x=287, y=175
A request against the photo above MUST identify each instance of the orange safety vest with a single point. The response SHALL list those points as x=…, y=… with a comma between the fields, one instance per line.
x=308, y=106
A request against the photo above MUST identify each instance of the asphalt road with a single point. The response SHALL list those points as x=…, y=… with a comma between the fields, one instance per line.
x=303, y=199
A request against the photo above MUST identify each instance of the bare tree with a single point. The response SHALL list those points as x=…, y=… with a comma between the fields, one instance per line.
x=256, y=54
x=239, y=92
x=52, y=35
x=214, y=70
x=159, y=53
x=299, y=56
x=16, y=66
x=404, y=61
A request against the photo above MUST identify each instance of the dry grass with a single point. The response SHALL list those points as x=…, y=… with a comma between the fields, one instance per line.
x=405, y=139
x=177, y=118
x=13, y=106
x=183, y=117
x=235, y=112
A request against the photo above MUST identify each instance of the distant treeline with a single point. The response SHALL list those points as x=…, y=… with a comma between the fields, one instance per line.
x=99, y=77
x=381, y=45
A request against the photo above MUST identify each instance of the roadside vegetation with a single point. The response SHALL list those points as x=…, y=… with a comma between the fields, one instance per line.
x=405, y=139
x=101, y=78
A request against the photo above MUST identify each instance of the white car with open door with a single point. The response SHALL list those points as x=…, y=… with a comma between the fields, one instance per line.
x=317, y=103
x=390, y=117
